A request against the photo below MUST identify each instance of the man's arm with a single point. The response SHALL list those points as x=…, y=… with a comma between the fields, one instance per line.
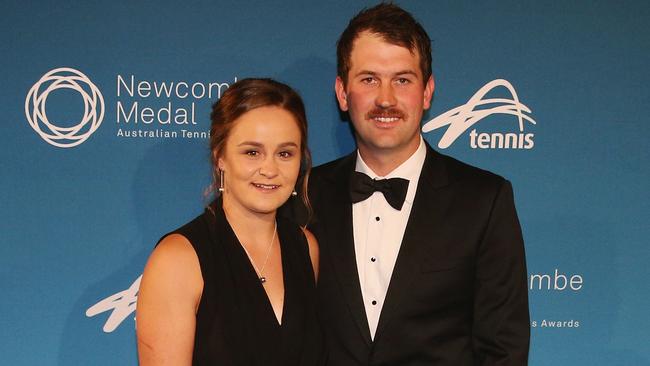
x=501, y=329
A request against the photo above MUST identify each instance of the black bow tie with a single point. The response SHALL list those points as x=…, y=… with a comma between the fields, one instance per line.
x=394, y=189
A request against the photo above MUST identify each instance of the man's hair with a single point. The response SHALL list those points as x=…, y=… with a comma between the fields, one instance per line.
x=395, y=25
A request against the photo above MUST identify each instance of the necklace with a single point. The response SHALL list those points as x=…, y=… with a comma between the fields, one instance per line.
x=260, y=272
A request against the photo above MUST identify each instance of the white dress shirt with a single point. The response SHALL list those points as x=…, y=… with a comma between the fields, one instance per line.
x=378, y=232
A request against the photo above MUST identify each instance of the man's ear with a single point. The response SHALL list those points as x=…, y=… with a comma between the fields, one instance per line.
x=428, y=92
x=341, y=95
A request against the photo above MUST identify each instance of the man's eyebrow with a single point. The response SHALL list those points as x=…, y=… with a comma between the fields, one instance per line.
x=406, y=72
x=374, y=73
x=367, y=72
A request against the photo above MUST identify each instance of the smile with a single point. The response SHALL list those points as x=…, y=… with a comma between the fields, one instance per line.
x=268, y=187
x=386, y=119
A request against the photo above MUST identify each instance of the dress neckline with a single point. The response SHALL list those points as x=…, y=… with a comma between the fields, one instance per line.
x=251, y=274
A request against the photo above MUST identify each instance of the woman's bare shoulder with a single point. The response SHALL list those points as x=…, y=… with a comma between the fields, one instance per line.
x=173, y=270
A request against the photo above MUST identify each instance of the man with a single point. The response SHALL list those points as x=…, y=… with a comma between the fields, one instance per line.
x=422, y=258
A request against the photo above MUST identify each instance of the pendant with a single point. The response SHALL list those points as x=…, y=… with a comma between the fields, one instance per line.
x=262, y=279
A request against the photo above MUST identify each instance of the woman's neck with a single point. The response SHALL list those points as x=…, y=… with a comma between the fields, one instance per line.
x=253, y=228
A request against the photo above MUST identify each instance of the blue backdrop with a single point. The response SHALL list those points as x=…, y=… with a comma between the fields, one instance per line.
x=105, y=111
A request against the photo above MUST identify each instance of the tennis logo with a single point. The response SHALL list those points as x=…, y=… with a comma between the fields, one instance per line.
x=460, y=119
x=72, y=133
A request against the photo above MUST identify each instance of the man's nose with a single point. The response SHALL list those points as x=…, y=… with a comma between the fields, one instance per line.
x=386, y=96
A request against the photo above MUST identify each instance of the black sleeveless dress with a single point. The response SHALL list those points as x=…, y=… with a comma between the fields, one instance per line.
x=235, y=323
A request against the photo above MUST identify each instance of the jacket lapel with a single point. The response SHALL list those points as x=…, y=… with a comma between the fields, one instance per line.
x=340, y=239
x=427, y=214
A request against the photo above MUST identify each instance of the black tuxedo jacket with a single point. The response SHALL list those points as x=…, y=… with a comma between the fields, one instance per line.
x=458, y=293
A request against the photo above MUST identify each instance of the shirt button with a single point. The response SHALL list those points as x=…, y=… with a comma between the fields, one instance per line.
x=374, y=302
x=377, y=218
x=373, y=259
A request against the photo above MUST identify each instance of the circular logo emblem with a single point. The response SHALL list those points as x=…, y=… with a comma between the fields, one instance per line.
x=67, y=78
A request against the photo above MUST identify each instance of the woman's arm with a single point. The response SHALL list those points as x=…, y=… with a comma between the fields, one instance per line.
x=169, y=295
x=313, y=250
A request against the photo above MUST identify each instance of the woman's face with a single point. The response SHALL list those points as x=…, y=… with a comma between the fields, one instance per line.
x=261, y=160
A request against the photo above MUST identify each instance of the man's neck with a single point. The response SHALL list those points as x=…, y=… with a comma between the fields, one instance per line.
x=383, y=163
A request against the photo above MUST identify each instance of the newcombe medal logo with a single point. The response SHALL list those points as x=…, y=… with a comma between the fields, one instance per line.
x=70, y=133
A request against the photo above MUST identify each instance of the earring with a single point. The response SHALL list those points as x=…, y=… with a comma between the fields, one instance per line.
x=221, y=185
x=294, y=193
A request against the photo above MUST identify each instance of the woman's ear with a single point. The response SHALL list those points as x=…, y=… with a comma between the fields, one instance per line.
x=219, y=160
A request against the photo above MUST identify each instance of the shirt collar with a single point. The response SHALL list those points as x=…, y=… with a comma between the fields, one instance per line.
x=410, y=169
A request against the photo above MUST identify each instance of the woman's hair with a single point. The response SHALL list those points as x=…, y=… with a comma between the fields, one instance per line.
x=246, y=95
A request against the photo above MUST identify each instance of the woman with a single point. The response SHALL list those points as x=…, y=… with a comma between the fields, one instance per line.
x=236, y=286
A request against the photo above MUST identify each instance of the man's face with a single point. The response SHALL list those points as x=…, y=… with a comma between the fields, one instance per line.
x=385, y=97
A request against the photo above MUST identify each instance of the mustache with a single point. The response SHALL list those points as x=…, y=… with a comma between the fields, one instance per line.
x=385, y=113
